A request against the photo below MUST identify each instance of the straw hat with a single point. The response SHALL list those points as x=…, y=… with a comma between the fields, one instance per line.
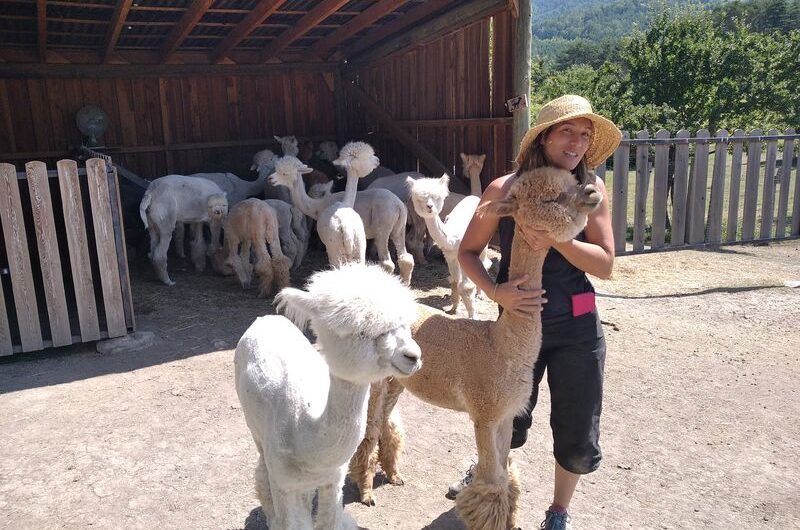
x=605, y=138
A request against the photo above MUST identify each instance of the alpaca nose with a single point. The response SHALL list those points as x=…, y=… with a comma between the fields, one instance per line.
x=593, y=196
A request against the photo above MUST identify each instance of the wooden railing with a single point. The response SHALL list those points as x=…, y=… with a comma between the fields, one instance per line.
x=670, y=193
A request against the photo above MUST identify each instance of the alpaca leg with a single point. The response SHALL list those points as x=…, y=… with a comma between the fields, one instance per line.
x=484, y=503
x=405, y=261
x=455, y=279
x=178, y=239
x=364, y=461
x=233, y=260
x=416, y=237
x=291, y=509
x=263, y=491
x=280, y=262
x=504, y=432
x=263, y=268
x=467, y=291
x=215, y=227
x=159, y=253
x=247, y=264
x=392, y=439
x=198, y=247
x=382, y=247
x=330, y=515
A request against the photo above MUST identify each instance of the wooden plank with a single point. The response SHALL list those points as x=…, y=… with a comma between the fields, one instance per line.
x=679, y=189
x=660, y=190
x=733, y=193
x=127, y=116
x=40, y=116
x=72, y=70
x=619, y=200
x=188, y=21
x=796, y=203
x=521, y=69
x=696, y=211
x=49, y=257
x=409, y=142
x=8, y=143
x=19, y=262
x=122, y=252
x=787, y=156
x=751, y=186
x=6, y=346
x=768, y=196
x=322, y=48
x=642, y=186
x=717, y=190
x=115, y=27
x=106, y=246
x=317, y=14
x=41, y=29
x=78, y=245
x=258, y=14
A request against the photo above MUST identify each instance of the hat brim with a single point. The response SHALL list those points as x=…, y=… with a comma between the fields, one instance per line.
x=605, y=137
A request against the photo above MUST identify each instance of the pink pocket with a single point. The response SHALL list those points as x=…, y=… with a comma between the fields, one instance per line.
x=582, y=303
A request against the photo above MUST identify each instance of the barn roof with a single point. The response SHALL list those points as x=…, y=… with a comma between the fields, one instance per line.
x=251, y=32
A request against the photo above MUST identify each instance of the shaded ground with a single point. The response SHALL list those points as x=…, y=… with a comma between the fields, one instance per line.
x=699, y=429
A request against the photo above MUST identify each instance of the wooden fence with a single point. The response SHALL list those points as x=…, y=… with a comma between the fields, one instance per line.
x=670, y=193
x=63, y=269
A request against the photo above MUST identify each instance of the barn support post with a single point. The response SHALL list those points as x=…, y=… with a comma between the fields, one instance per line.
x=521, y=73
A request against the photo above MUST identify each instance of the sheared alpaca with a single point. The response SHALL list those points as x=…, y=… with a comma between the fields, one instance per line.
x=427, y=197
x=473, y=165
x=383, y=214
x=306, y=409
x=292, y=230
x=288, y=145
x=174, y=199
x=456, y=374
x=252, y=224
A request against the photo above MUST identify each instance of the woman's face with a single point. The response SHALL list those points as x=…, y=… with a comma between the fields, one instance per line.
x=567, y=142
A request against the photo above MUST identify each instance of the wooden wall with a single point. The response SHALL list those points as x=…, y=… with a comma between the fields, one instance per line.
x=446, y=80
x=37, y=117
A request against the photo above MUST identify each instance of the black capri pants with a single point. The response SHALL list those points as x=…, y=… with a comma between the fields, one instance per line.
x=573, y=354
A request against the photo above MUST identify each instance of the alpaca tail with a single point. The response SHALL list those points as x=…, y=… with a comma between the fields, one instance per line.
x=143, y=206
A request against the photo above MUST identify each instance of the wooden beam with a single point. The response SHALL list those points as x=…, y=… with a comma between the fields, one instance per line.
x=323, y=47
x=521, y=72
x=385, y=119
x=254, y=18
x=191, y=17
x=39, y=71
x=311, y=19
x=115, y=27
x=451, y=20
x=387, y=30
x=41, y=18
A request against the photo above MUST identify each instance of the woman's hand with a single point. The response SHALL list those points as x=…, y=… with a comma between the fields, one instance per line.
x=536, y=239
x=519, y=302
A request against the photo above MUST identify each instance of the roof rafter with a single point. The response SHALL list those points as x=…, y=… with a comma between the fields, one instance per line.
x=41, y=17
x=253, y=19
x=319, y=13
x=323, y=47
x=185, y=26
x=381, y=33
x=115, y=27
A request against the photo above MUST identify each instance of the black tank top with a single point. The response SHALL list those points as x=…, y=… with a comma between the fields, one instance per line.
x=560, y=278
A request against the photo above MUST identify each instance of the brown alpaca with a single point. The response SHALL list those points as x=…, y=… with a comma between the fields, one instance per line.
x=486, y=368
x=254, y=223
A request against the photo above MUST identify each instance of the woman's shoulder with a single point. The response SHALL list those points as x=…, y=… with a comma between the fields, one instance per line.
x=499, y=186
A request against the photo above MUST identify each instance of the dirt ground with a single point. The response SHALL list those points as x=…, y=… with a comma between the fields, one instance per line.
x=700, y=423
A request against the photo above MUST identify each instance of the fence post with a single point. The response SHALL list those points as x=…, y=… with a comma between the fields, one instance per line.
x=768, y=197
x=660, y=190
x=733, y=195
x=751, y=186
x=619, y=210
x=787, y=157
x=642, y=186
x=717, y=189
x=679, y=189
x=696, y=211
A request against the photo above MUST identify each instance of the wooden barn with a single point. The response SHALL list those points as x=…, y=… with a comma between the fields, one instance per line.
x=200, y=85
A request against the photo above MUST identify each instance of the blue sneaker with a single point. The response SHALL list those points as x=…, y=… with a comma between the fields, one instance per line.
x=555, y=521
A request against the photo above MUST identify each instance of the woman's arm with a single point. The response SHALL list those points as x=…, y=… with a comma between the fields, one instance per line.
x=594, y=256
x=479, y=232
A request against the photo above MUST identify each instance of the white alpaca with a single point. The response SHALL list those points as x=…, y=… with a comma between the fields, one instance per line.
x=428, y=197
x=306, y=409
x=292, y=230
x=264, y=163
x=383, y=214
x=288, y=145
x=176, y=199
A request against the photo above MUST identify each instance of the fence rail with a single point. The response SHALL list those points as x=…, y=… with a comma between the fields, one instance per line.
x=675, y=192
x=63, y=272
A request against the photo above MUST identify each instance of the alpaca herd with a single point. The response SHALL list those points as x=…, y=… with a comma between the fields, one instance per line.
x=317, y=414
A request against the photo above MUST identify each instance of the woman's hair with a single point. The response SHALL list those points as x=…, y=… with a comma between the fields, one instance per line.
x=534, y=157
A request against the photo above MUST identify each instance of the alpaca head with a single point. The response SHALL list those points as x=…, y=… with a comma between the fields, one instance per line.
x=288, y=145
x=428, y=195
x=362, y=317
x=306, y=150
x=320, y=190
x=264, y=162
x=473, y=164
x=328, y=150
x=357, y=158
x=217, y=207
x=288, y=169
x=548, y=199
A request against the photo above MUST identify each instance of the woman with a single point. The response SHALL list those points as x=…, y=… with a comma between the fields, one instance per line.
x=567, y=135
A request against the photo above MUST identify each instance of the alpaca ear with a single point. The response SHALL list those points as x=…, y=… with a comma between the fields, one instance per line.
x=278, y=138
x=298, y=306
x=483, y=158
x=410, y=183
x=327, y=187
x=500, y=208
x=463, y=158
x=304, y=170
x=444, y=180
